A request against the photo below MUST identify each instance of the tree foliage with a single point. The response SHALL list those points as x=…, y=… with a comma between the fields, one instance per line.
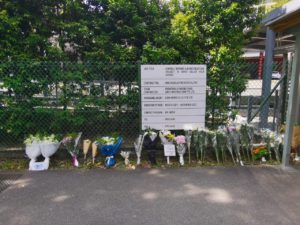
x=118, y=31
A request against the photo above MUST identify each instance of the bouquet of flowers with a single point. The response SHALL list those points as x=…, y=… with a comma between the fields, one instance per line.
x=94, y=151
x=166, y=138
x=138, y=146
x=260, y=152
x=149, y=143
x=272, y=140
x=219, y=143
x=188, y=136
x=70, y=142
x=233, y=142
x=33, y=149
x=39, y=144
x=180, y=147
x=49, y=146
x=277, y=143
x=200, y=142
x=246, y=134
x=269, y=138
x=125, y=155
x=86, y=147
x=109, y=147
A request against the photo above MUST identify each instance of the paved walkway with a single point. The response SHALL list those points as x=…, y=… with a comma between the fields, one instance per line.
x=206, y=196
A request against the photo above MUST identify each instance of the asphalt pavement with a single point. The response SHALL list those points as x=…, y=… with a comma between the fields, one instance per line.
x=207, y=196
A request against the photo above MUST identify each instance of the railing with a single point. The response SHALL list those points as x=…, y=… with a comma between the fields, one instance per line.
x=267, y=98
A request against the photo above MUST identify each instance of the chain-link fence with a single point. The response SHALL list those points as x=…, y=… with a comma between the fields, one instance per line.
x=266, y=105
x=101, y=98
x=62, y=97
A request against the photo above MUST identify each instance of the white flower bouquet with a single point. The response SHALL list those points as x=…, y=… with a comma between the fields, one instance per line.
x=180, y=147
x=39, y=144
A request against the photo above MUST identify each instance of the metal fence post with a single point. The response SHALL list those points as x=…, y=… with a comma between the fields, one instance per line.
x=249, y=108
x=275, y=109
x=267, y=78
x=292, y=106
x=282, y=94
x=140, y=93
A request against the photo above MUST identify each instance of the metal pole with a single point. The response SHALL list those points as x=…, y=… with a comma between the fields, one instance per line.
x=140, y=93
x=292, y=104
x=249, y=108
x=282, y=94
x=275, y=110
x=267, y=77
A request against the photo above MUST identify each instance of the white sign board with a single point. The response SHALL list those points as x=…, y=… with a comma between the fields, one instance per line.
x=169, y=150
x=173, y=96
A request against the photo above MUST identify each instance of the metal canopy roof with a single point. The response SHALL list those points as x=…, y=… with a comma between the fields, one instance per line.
x=284, y=42
x=284, y=17
x=279, y=20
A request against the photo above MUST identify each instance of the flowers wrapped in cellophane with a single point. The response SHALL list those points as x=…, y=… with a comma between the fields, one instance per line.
x=247, y=139
x=39, y=144
x=278, y=141
x=200, y=143
x=149, y=143
x=86, y=147
x=233, y=142
x=188, y=137
x=138, y=146
x=70, y=142
x=273, y=141
x=260, y=152
x=219, y=144
x=125, y=155
x=268, y=138
x=166, y=137
x=180, y=147
x=109, y=147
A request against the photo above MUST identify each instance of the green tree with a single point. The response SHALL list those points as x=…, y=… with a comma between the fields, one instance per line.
x=214, y=33
x=79, y=34
x=23, y=33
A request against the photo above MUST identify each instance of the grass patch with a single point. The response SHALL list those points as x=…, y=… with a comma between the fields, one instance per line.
x=56, y=164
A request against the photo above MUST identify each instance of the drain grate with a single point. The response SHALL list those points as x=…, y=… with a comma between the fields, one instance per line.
x=7, y=179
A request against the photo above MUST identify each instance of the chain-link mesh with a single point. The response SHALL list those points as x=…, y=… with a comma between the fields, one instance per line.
x=100, y=98
x=266, y=104
x=61, y=97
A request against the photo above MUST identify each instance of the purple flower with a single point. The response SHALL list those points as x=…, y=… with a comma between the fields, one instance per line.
x=180, y=139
